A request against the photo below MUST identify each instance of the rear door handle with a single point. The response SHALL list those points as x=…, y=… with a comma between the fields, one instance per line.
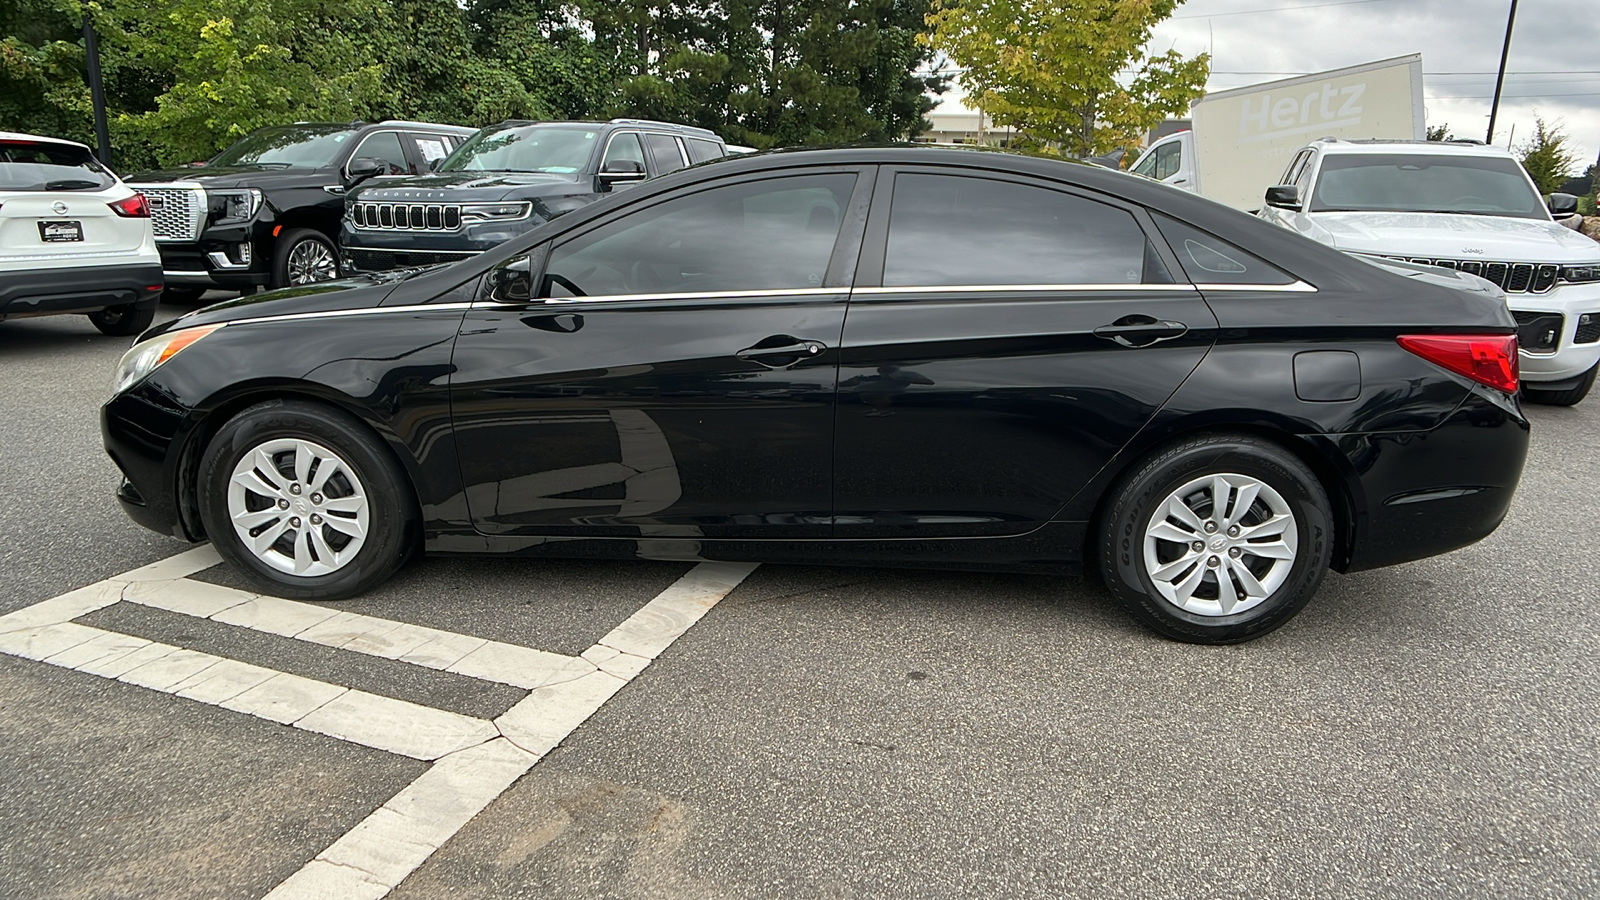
x=1141, y=331
x=781, y=351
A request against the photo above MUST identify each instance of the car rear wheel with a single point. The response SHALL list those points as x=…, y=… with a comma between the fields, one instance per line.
x=1217, y=539
x=305, y=501
x=123, y=321
x=1569, y=397
x=303, y=256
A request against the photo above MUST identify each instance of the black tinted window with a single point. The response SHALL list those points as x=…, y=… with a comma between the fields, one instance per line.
x=1208, y=259
x=664, y=150
x=700, y=151
x=763, y=235
x=955, y=230
x=385, y=145
x=27, y=166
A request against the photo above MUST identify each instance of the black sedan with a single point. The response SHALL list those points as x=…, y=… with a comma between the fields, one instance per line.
x=907, y=356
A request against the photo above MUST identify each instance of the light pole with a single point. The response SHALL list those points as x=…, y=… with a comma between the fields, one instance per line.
x=1500, y=79
x=97, y=88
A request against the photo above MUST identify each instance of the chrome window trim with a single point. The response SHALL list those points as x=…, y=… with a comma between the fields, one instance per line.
x=1298, y=287
x=694, y=295
x=1020, y=288
x=606, y=150
x=339, y=313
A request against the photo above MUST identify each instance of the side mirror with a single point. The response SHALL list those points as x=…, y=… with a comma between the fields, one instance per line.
x=1284, y=196
x=512, y=280
x=1561, y=204
x=622, y=171
x=361, y=168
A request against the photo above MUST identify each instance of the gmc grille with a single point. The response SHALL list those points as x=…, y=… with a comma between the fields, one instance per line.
x=407, y=216
x=176, y=213
x=1538, y=332
x=1513, y=278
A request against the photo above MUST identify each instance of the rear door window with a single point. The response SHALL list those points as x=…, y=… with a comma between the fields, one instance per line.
x=953, y=230
x=37, y=166
x=664, y=150
x=430, y=147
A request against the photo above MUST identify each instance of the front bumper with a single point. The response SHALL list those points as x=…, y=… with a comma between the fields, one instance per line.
x=142, y=430
x=1558, y=319
x=237, y=257
x=79, y=289
x=378, y=250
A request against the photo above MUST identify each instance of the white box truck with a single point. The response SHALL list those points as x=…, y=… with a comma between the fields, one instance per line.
x=1243, y=138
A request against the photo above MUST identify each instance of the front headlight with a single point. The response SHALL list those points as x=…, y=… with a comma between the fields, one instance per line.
x=233, y=206
x=495, y=212
x=144, y=357
x=1581, y=274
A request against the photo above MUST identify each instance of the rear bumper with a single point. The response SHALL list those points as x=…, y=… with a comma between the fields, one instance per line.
x=79, y=289
x=1426, y=493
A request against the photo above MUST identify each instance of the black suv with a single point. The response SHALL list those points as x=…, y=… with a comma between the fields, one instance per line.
x=265, y=212
x=507, y=179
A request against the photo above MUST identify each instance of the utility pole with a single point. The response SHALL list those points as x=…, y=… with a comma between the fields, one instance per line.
x=97, y=88
x=1500, y=79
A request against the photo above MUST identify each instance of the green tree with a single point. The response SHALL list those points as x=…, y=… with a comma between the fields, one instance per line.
x=1440, y=133
x=1546, y=156
x=1067, y=74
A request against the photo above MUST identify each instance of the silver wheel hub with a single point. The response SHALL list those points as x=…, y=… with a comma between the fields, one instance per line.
x=298, y=507
x=311, y=261
x=1220, y=544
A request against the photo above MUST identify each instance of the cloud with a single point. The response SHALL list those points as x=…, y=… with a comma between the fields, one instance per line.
x=1459, y=40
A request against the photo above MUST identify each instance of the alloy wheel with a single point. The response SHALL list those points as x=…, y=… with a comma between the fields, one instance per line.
x=298, y=507
x=1220, y=544
x=311, y=261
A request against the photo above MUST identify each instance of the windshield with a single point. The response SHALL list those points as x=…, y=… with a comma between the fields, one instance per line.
x=525, y=148
x=287, y=147
x=30, y=166
x=1407, y=182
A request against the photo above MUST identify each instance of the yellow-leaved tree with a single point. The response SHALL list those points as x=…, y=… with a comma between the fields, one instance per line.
x=1068, y=75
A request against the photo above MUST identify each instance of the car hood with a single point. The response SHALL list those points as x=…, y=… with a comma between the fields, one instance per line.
x=326, y=296
x=457, y=187
x=229, y=176
x=1450, y=236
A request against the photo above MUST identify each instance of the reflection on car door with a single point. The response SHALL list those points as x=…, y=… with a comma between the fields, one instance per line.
x=1005, y=338
x=673, y=371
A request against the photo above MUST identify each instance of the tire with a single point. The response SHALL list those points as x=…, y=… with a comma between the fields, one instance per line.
x=123, y=321
x=1142, y=561
x=182, y=294
x=368, y=514
x=293, y=256
x=1569, y=397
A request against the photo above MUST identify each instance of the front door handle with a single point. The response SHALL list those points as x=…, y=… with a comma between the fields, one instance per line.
x=781, y=351
x=1141, y=331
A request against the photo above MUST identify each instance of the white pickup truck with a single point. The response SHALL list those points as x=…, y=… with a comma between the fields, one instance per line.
x=1467, y=207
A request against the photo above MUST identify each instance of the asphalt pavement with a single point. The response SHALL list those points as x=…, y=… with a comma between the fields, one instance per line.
x=1429, y=730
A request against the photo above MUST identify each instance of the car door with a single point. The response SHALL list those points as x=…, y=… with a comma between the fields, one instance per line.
x=1005, y=338
x=668, y=370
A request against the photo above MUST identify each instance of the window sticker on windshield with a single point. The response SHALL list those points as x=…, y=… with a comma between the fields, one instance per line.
x=339, y=138
x=588, y=135
x=431, y=150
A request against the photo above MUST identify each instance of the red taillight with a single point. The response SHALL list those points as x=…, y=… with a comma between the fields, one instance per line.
x=135, y=207
x=1489, y=359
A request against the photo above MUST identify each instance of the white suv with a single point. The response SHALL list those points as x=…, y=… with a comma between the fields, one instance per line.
x=1467, y=207
x=73, y=238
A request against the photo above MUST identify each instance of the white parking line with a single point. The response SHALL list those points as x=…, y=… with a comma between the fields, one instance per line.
x=475, y=760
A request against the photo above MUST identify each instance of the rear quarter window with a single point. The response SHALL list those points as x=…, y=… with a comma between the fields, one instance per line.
x=28, y=166
x=1208, y=259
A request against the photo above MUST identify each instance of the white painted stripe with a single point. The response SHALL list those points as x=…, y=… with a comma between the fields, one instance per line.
x=476, y=760
x=390, y=844
x=486, y=660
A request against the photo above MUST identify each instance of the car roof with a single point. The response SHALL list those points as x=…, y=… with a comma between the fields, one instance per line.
x=18, y=136
x=1462, y=148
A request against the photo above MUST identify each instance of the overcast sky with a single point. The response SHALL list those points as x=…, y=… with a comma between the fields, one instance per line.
x=1553, y=70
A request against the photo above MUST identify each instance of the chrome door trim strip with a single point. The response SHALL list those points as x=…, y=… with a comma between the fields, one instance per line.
x=1299, y=287
x=697, y=295
x=1020, y=288
x=341, y=313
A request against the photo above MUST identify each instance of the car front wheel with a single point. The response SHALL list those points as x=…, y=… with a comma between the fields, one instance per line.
x=1217, y=539
x=304, y=256
x=305, y=501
